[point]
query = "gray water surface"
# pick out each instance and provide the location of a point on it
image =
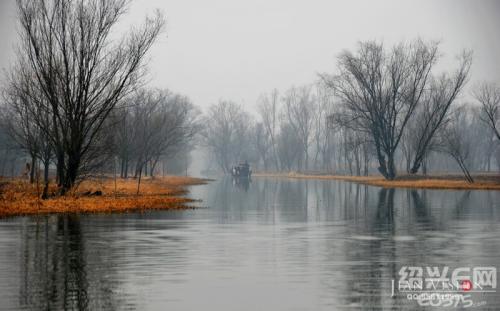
(274, 244)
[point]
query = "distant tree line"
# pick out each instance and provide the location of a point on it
(152, 127)
(75, 101)
(384, 109)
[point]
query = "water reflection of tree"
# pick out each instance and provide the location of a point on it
(420, 201)
(373, 255)
(292, 195)
(463, 205)
(379, 253)
(55, 272)
(392, 241)
(385, 209)
(419, 205)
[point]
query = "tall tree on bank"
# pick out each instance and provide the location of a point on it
(379, 90)
(436, 103)
(82, 75)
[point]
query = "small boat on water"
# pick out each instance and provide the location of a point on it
(241, 170)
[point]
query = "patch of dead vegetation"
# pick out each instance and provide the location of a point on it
(18, 197)
(444, 181)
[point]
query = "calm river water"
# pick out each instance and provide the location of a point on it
(274, 244)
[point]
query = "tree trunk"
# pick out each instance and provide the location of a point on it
(139, 180)
(45, 193)
(466, 172)
(416, 166)
(358, 162)
(71, 173)
(32, 169)
(391, 168)
(381, 161)
(306, 164)
(153, 167)
(60, 169)
(366, 160)
(126, 169)
(122, 168)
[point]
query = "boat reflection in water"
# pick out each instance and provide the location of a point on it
(242, 176)
(242, 182)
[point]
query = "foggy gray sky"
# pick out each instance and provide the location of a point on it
(238, 49)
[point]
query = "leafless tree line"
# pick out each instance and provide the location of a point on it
(152, 127)
(289, 133)
(394, 96)
(75, 99)
(387, 109)
(382, 91)
(71, 81)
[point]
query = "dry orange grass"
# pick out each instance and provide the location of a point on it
(482, 182)
(18, 197)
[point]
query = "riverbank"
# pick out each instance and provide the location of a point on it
(97, 195)
(457, 182)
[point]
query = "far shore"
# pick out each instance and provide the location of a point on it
(439, 181)
(97, 195)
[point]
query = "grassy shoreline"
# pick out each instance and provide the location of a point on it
(19, 198)
(452, 182)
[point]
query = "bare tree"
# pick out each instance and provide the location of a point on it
(262, 144)
(488, 95)
(288, 146)
(180, 126)
(456, 140)
(435, 106)
(379, 91)
(483, 142)
(123, 143)
(268, 108)
(82, 75)
(154, 124)
(27, 123)
(20, 125)
(299, 111)
(226, 133)
(321, 133)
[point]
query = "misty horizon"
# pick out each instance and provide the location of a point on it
(238, 50)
